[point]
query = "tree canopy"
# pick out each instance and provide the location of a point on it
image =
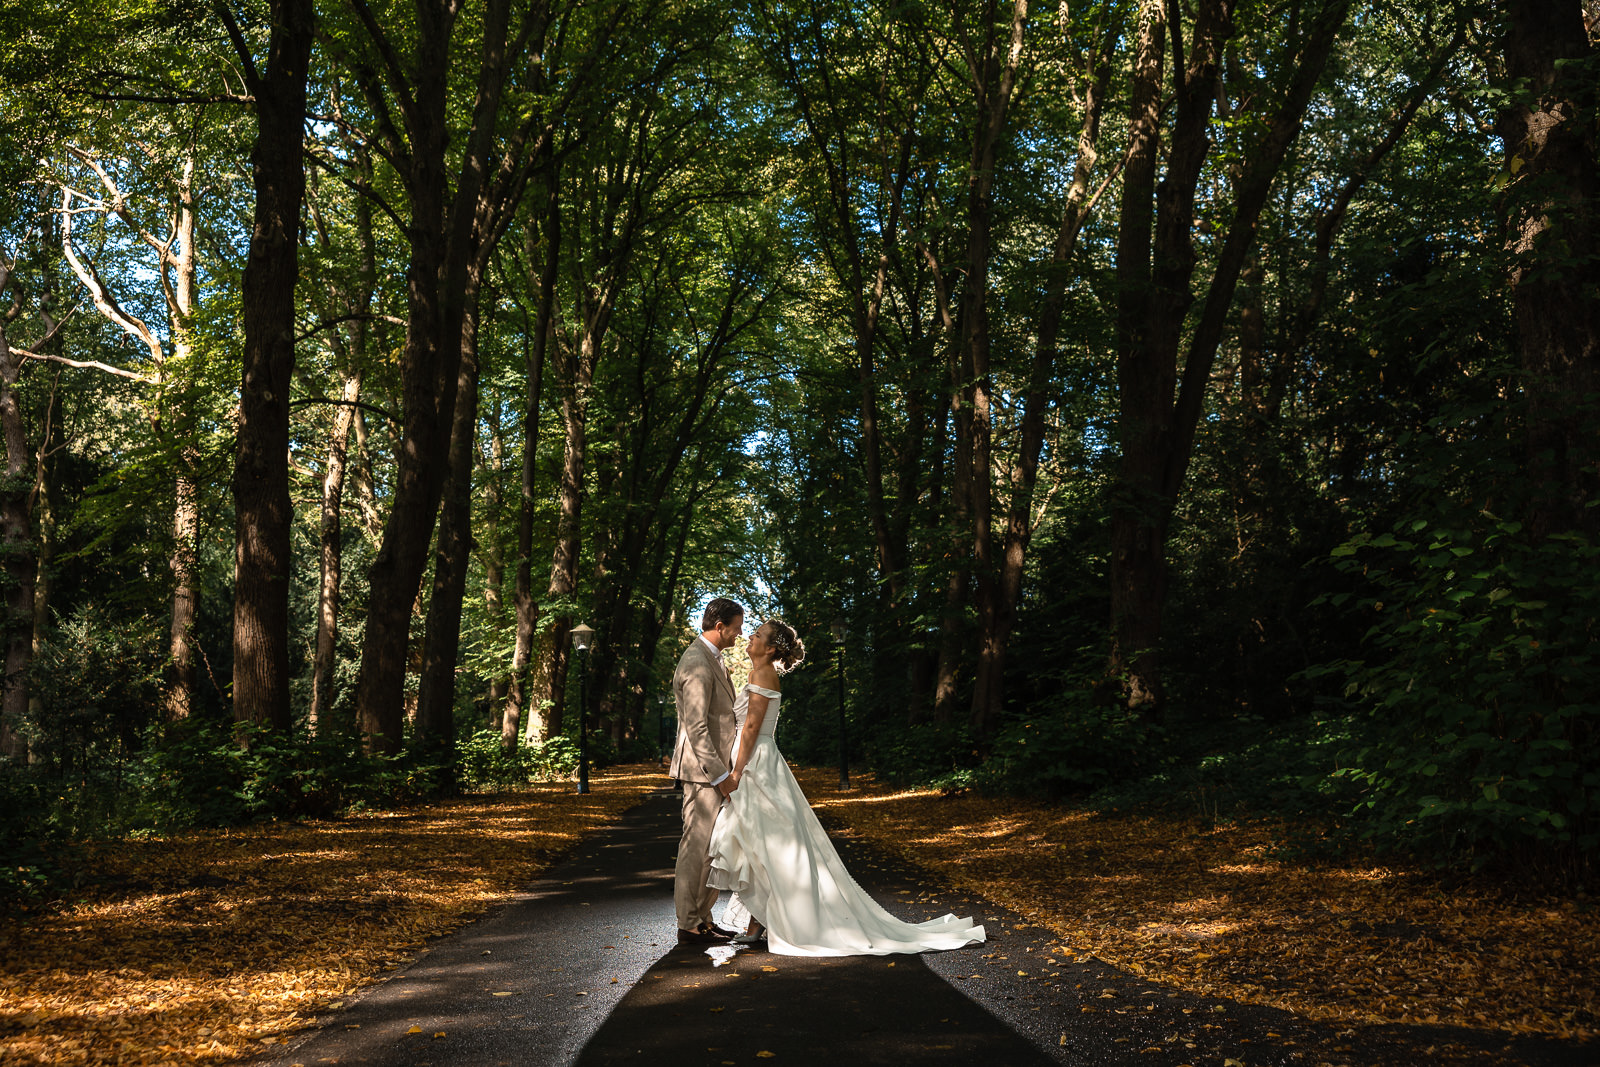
(1148, 393)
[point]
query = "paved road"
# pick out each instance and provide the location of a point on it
(583, 968)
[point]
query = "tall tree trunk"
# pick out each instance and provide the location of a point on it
(957, 533)
(575, 391)
(527, 609)
(44, 490)
(491, 550)
(440, 235)
(435, 725)
(1553, 166)
(988, 700)
(994, 74)
(350, 352)
(263, 513)
(183, 671)
(1154, 297)
(16, 541)
(331, 555)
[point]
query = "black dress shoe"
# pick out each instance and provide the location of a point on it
(704, 934)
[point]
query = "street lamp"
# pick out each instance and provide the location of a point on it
(661, 727)
(839, 632)
(582, 638)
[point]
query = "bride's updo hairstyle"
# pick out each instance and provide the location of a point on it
(787, 649)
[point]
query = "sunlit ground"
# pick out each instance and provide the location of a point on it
(1212, 911)
(211, 946)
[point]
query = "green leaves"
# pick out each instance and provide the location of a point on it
(1480, 685)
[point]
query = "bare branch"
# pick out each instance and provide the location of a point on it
(362, 316)
(86, 364)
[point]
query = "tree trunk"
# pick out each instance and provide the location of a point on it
(569, 525)
(435, 293)
(183, 672)
(320, 720)
(16, 541)
(527, 609)
(263, 514)
(1154, 297)
(491, 550)
(958, 544)
(435, 726)
(988, 700)
(1549, 132)
(994, 74)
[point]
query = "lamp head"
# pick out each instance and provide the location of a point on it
(838, 630)
(582, 637)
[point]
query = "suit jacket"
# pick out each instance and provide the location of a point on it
(703, 693)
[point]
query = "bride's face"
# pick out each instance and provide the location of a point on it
(758, 645)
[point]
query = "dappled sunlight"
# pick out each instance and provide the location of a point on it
(212, 946)
(1213, 910)
(1197, 931)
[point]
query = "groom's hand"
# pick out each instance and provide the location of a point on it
(728, 784)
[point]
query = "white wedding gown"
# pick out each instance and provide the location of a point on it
(768, 847)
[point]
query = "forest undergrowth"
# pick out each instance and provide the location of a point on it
(1222, 909)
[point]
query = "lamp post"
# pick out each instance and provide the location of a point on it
(839, 632)
(661, 727)
(582, 637)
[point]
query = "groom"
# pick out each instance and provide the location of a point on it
(701, 761)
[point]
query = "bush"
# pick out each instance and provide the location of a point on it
(201, 773)
(32, 845)
(483, 764)
(924, 753)
(1480, 689)
(1082, 747)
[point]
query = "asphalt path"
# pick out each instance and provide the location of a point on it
(584, 968)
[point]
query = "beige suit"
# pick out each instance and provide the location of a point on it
(704, 754)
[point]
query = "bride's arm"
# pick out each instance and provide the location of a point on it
(750, 731)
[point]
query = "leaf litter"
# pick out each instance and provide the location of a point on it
(210, 946)
(1214, 910)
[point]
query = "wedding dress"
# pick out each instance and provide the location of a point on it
(768, 847)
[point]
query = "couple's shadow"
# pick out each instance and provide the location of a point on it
(732, 1004)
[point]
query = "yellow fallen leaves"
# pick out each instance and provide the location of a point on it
(1215, 912)
(201, 946)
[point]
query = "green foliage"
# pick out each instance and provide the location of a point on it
(1480, 683)
(32, 845)
(201, 773)
(924, 752)
(1089, 745)
(483, 764)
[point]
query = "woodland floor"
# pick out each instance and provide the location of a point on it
(209, 946)
(1214, 910)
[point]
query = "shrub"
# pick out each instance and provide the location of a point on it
(1480, 686)
(483, 764)
(1075, 749)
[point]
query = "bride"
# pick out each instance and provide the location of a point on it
(768, 847)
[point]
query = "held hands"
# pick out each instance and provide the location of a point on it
(728, 784)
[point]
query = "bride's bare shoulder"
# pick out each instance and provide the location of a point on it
(765, 676)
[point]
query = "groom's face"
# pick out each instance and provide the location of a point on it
(728, 632)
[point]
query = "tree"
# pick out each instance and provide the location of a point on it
(262, 512)
(1552, 180)
(1155, 270)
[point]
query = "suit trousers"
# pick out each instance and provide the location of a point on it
(690, 893)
